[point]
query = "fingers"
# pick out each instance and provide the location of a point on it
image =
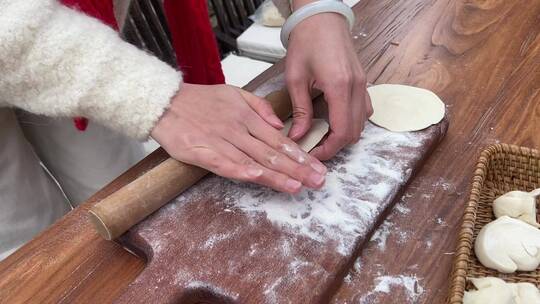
(263, 108)
(302, 105)
(276, 161)
(361, 110)
(228, 161)
(340, 114)
(369, 105)
(284, 145)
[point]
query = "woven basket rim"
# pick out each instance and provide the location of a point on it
(464, 247)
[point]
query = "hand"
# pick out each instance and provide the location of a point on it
(235, 134)
(321, 55)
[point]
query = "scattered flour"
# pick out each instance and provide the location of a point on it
(359, 179)
(360, 183)
(215, 238)
(442, 183)
(440, 221)
(388, 284)
(357, 267)
(403, 237)
(427, 196)
(381, 234)
(402, 208)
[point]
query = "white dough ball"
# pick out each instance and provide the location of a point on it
(496, 291)
(507, 245)
(271, 15)
(489, 290)
(527, 293)
(517, 204)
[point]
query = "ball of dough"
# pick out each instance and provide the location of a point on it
(507, 245)
(271, 15)
(517, 204)
(496, 291)
(489, 290)
(527, 293)
(402, 108)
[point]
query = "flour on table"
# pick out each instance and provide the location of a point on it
(401, 208)
(442, 183)
(345, 205)
(381, 235)
(390, 284)
(359, 179)
(357, 267)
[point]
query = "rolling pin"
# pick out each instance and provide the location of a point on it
(115, 214)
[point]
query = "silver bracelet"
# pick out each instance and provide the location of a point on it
(314, 8)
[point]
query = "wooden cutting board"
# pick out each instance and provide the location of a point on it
(228, 242)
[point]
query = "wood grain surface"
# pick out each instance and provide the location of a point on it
(228, 242)
(481, 56)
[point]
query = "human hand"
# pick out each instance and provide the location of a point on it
(321, 55)
(234, 133)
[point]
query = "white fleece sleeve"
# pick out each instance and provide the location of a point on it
(59, 62)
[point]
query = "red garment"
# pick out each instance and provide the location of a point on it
(192, 38)
(99, 9)
(194, 41)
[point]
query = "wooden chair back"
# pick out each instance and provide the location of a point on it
(232, 20)
(146, 27)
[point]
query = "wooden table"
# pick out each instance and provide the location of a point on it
(481, 56)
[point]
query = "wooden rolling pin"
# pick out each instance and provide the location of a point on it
(118, 212)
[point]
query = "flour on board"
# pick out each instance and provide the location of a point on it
(359, 180)
(361, 183)
(348, 202)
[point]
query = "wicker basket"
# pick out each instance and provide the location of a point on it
(501, 168)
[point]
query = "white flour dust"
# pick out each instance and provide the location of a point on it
(401, 208)
(391, 284)
(357, 267)
(441, 183)
(349, 200)
(358, 187)
(381, 235)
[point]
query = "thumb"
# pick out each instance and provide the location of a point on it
(302, 108)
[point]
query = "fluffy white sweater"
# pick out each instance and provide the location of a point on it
(58, 62)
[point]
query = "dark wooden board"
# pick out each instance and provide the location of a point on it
(223, 241)
(481, 57)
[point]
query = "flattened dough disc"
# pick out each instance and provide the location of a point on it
(319, 128)
(402, 108)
